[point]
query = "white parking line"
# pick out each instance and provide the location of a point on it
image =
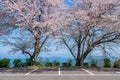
(87, 71)
(30, 72)
(59, 72)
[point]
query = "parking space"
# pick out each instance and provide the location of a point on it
(58, 71)
(45, 71)
(104, 71)
(48, 71)
(58, 74)
(73, 71)
(15, 70)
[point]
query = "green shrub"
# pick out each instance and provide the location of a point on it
(64, 64)
(56, 63)
(28, 62)
(94, 64)
(107, 63)
(117, 64)
(69, 62)
(86, 64)
(40, 62)
(17, 63)
(48, 64)
(5, 63)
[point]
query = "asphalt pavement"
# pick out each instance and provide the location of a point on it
(58, 74)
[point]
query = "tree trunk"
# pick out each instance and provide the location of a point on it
(80, 59)
(36, 50)
(79, 62)
(33, 61)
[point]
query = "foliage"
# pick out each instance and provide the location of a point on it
(107, 63)
(93, 63)
(5, 63)
(86, 64)
(47, 62)
(40, 62)
(56, 63)
(28, 62)
(69, 62)
(17, 63)
(117, 64)
(64, 64)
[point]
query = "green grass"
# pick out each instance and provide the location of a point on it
(54, 67)
(41, 67)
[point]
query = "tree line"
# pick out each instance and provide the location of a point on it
(18, 63)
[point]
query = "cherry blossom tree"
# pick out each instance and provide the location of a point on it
(95, 24)
(40, 17)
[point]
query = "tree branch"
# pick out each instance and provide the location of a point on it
(44, 42)
(69, 48)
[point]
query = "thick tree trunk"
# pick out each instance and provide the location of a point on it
(36, 50)
(79, 59)
(33, 61)
(79, 62)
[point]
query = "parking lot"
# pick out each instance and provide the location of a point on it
(59, 74)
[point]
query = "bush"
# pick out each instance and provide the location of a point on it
(69, 62)
(28, 62)
(107, 63)
(117, 64)
(64, 64)
(17, 63)
(56, 63)
(5, 63)
(94, 64)
(40, 62)
(86, 64)
(47, 63)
